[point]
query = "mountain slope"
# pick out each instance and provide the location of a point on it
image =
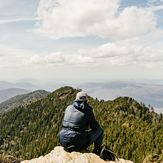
(22, 100)
(131, 130)
(11, 92)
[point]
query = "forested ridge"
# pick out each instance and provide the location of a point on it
(22, 100)
(132, 130)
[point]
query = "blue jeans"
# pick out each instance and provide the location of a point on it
(96, 137)
(78, 142)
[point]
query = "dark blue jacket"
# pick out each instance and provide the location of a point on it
(77, 119)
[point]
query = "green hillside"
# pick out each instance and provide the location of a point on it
(131, 130)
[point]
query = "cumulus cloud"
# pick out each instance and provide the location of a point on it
(53, 58)
(60, 58)
(132, 51)
(133, 30)
(125, 52)
(70, 18)
(134, 33)
(81, 60)
(12, 57)
(36, 59)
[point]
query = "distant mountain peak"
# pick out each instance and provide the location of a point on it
(5, 94)
(22, 100)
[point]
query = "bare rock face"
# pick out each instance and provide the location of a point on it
(58, 155)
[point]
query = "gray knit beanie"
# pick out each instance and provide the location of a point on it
(81, 96)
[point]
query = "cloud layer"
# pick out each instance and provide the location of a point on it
(134, 33)
(71, 18)
(135, 37)
(107, 36)
(132, 51)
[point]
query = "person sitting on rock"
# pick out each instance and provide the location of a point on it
(78, 118)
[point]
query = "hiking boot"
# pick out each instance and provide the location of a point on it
(96, 151)
(107, 154)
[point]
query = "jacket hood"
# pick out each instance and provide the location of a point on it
(79, 104)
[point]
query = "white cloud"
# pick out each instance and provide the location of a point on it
(145, 50)
(70, 18)
(60, 58)
(136, 40)
(53, 58)
(81, 60)
(14, 58)
(132, 51)
(5, 21)
(127, 52)
(36, 59)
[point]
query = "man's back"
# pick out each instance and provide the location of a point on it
(78, 118)
(75, 119)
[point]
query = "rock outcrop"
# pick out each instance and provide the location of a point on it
(58, 155)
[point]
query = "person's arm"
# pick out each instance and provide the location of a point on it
(94, 125)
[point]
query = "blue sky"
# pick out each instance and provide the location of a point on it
(77, 40)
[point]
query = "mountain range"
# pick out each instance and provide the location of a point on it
(22, 100)
(148, 93)
(132, 130)
(22, 85)
(11, 92)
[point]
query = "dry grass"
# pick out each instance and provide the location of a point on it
(8, 159)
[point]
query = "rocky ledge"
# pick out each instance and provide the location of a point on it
(58, 155)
